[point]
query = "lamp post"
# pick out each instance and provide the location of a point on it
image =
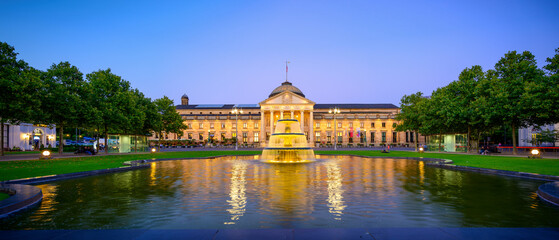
(335, 111)
(236, 111)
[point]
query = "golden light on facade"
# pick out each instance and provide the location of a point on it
(25, 136)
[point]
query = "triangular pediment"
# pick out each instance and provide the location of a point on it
(287, 98)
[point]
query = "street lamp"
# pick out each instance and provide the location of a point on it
(335, 111)
(236, 111)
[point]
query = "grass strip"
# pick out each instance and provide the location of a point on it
(4, 196)
(33, 168)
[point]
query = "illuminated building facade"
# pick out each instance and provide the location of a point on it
(355, 125)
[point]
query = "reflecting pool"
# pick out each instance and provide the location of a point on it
(242, 192)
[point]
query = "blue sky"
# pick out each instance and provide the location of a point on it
(234, 51)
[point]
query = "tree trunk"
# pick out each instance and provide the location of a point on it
(468, 148)
(514, 150)
(1, 138)
(97, 141)
(106, 140)
(136, 143)
(440, 140)
(416, 140)
(61, 140)
(159, 142)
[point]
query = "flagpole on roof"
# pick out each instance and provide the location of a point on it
(286, 62)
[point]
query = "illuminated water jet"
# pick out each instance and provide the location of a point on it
(288, 144)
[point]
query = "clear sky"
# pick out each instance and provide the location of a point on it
(234, 51)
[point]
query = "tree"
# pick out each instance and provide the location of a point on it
(410, 114)
(111, 98)
(514, 73)
(171, 121)
(19, 96)
(63, 98)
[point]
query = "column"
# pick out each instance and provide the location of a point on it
(271, 122)
(262, 136)
(303, 121)
(311, 128)
(281, 114)
(292, 116)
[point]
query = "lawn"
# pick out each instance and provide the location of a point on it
(4, 196)
(32, 168)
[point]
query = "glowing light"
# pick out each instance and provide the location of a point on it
(153, 150)
(535, 152)
(46, 153)
(25, 136)
(421, 150)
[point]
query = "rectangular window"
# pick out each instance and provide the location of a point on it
(317, 136)
(317, 125)
(245, 137)
(372, 125)
(256, 139)
(188, 126)
(329, 125)
(234, 125)
(339, 125)
(222, 136)
(211, 125)
(340, 137)
(350, 125)
(383, 137)
(362, 125)
(372, 137)
(383, 125)
(234, 135)
(267, 136)
(201, 126)
(245, 125)
(255, 125)
(394, 137)
(222, 125)
(190, 136)
(407, 137)
(200, 136)
(411, 136)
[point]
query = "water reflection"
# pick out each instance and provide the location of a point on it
(335, 191)
(240, 192)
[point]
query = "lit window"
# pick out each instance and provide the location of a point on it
(350, 125)
(256, 125)
(222, 125)
(339, 125)
(328, 124)
(362, 124)
(256, 137)
(245, 125)
(211, 125)
(190, 136)
(245, 137)
(234, 125)
(317, 136)
(201, 126)
(200, 136)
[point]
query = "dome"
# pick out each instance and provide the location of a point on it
(184, 96)
(286, 86)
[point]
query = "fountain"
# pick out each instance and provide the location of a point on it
(288, 144)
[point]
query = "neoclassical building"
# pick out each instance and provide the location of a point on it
(355, 125)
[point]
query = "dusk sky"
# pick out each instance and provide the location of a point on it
(234, 52)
